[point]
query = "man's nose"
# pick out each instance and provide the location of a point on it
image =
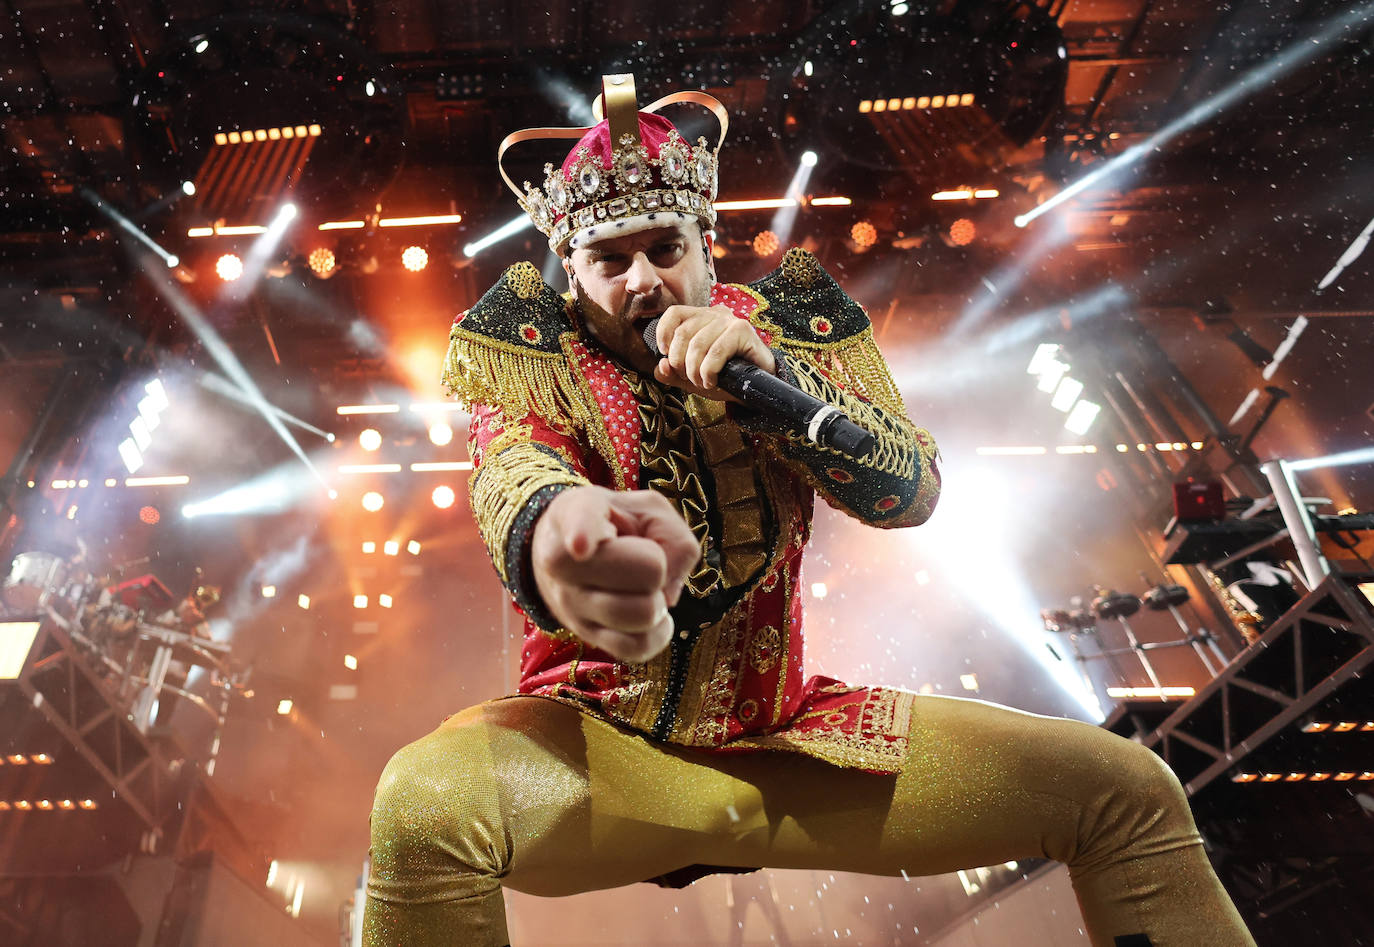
(642, 278)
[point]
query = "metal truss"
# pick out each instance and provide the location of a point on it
(77, 703)
(1317, 647)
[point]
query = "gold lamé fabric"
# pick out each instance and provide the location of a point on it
(532, 794)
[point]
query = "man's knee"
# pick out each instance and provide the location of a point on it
(1141, 805)
(438, 809)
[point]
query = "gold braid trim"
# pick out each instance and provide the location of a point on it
(897, 447)
(502, 487)
(855, 364)
(516, 379)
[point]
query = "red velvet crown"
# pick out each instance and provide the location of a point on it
(629, 172)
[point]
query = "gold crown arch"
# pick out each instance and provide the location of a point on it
(681, 177)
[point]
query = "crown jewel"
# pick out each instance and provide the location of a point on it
(627, 172)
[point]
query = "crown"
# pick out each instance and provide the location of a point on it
(629, 172)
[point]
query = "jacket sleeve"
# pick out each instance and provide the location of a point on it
(826, 348)
(507, 362)
(518, 468)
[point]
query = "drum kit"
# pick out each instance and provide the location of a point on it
(1080, 622)
(136, 632)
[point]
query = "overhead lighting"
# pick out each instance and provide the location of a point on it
(415, 258)
(413, 547)
(864, 235)
(819, 590)
(368, 408)
(269, 591)
(173, 481)
(424, 221)
(1126, 692)
(229, 267)
(831, 202)
(443, 496)
(360, 601)
(303, 601)
(508, 229)
(342, 225)
(440, 434)
(1050, 375)
(384, 600)
(322, 262)
(350, 662)
(391, 547)
(284, 706)
(1046, 354)
(373, 501)
(369, 547)
(129, 453)
(1082, 416)
(961, 194)
(442, 465)
(370, 439)
(969, 681)
(1066, 393)
(985, 193)
(765, 203)
(962, 232)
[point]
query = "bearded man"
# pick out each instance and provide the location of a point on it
(651, 529)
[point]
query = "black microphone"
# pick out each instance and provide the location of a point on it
(822, 423)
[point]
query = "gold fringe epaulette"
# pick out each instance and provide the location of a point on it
(507, 351)
(810, 317)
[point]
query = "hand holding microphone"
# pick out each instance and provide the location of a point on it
(705, 349)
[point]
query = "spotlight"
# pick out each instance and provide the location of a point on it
(413, 547)
(360, 601)
(350, 662)
(373, 501)
(370, 439)
(284, 706)
(1066, 393)
(303, 601)
(809, 158)
(229, 267)
(384, 600)
(188, 188)
(440, 433)
(864, 235)
(766, 243)
(962, 232)
(322, 262)
(1082, 417)
(414, 259)
(369, 547)
(269, 591)
(443, 496)
(391, 547)
(149, 515)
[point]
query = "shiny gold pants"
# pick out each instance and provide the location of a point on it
(537, 796)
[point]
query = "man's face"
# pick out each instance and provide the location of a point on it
(623, 282)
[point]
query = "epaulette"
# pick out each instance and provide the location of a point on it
(507, 350)
(806, 307)
(808, 316)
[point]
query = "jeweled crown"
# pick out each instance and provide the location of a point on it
(629, 172)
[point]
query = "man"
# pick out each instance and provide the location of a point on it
(652, 531)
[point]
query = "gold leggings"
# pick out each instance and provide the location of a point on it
(540, 797)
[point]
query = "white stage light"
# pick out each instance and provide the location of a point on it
(1050, 375)
(1046, 354)
(1066, 393)
(1082, 416)
(130, 454)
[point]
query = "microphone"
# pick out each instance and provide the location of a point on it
(769, 395)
